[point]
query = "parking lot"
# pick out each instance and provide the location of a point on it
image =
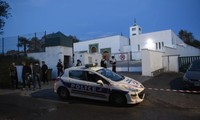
(165, 98)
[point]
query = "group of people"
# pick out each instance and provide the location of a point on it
(32, 73)
(103, 63)
(112, 61)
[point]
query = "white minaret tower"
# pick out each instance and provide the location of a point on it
(135, 29)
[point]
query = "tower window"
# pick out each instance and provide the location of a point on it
(159, 45)
(133, 29)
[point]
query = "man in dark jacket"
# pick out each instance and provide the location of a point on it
(36, 74)
(25, 74)
(44, 73)
(59, 67)
(104, 62)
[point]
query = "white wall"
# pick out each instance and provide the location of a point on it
(170, 63)
(87, 58)
(41, 56)
(182, 50)
(149, 40)
(52, 55)
(116, 43)
(151, 61)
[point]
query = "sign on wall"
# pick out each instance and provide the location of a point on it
(94, 48)
(121, 56)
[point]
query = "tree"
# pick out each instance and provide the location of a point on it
(4, 14)
(35, 45)
(25, 43)
(188, 38)
(73, 38)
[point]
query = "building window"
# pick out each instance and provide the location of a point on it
(138, 47)
(77, 74)
(156, 46)
(159, 45)
(93, 48)
(133, 29)
(162, 44)
(133, 34)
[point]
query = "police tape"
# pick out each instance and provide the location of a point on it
(173, 90)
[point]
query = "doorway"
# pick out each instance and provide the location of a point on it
(66, 61)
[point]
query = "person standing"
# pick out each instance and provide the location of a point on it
(59, 67)
(104, 62)
(44, 73)
(25, 74)
(78, 63)
(13, 75)
(36, 74)
(113, 62)
(29, 76)
(31, 80)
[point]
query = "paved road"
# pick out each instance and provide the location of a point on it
(158, 104)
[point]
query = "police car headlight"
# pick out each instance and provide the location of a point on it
(134, 90)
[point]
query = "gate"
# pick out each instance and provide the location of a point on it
(124, 63)
(184, 62)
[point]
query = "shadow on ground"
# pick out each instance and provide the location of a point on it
(48, 94)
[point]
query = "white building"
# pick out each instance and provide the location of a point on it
(158, 41)
(105, 46)
(110, 45)
(57, 47)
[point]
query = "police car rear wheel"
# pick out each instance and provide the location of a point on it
(118, 99)
(63, 93)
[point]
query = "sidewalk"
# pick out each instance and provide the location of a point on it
(26, 92)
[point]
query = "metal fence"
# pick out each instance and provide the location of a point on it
(126, 63)
(15, 45)
(184, 62)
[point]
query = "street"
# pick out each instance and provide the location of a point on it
(163, 100)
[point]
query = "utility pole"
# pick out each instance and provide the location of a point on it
(2, 46)
(18, 45)
(35, 41)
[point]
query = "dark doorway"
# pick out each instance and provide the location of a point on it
(66, 62)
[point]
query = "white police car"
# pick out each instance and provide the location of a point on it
(100, 84)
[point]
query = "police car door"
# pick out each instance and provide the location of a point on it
(78, 83)
(97, 90)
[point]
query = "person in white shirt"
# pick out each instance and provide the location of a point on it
(113, 62)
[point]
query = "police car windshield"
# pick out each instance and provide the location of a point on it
(110, 74)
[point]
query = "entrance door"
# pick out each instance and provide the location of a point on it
(66, 61)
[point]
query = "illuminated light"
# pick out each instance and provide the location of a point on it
(150, 44)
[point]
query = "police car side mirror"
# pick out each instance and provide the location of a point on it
(100, 82)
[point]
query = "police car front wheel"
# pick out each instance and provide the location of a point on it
(118, 99)
(63, 93)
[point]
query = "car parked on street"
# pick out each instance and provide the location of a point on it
(100, 84)
(191, 78)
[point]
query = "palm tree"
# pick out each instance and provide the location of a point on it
(22, 41)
